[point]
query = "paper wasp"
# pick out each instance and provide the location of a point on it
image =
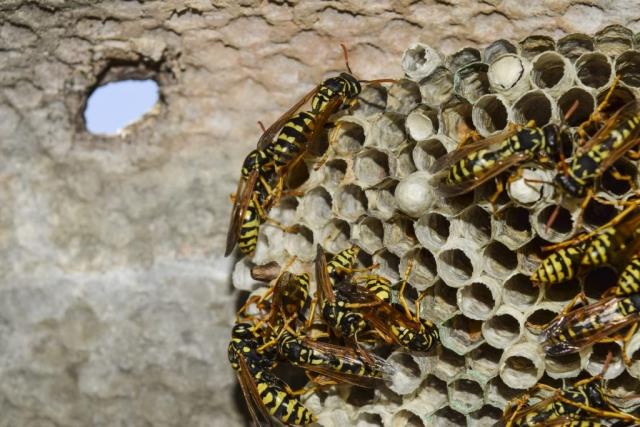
(475, 163)
(273, 158)
(266, 395)
(586, 403)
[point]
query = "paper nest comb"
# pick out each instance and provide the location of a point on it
(374, 191)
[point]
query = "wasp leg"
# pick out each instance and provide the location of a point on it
(325, 156)
(285, 228)
(312, 312)
(633, 155)
(596, 116)
(493, 199)
(401, 298)
(349, 270)
(625, 342)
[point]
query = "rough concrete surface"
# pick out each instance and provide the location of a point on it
(115, 301)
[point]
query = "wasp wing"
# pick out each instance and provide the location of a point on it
(258, 411)
(584, 326)
(462, 152)
(451, 190)
(323, 282)
(626, 112)
(268, 135)
(243, 196)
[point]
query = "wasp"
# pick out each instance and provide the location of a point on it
(471, 165)
(266, 395)
(612, 243)
(585, 403)
(293, 132)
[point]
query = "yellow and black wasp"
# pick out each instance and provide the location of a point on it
(279, 148)
(266, 395)
(475, 163)
(586, 403)
(613, 243)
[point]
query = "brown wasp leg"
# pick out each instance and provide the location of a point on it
(493, 199)
(312, 312)
(401, 298)
(325, 156)
(285, 228)
(596, 116)
(344, 270)
(625, 342)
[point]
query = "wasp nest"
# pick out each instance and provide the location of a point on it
(374, 191)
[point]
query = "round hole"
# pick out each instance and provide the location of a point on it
(615, 186)
(350, 202)
(334, 172)
(519, 371)
(517, 218)
(370, 237)
(575, 45)
(447, 417)
(593, 70)
(427, 152)
(501, 330)
(548, 70)
(628, 68)
(476, 224)
(500, 261)
(406, 418)
(347, 138)
(371, 167)
(485, 360)
(456, 266)
(335, 235)
(534, 106)
(597, 214)
(489, 114)
(561, 225)
(566, 366)
(466, 394)
(424, 269)
(599, 280)
(620, 97)
(562, 292)
(540, 317)
(476, 301)
(316, 206)
(519, 292)
(582, 111)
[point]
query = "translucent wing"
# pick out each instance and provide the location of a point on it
(243, 195)
(625, 113)
(258, 411)
(588, 325)
(323, 282)
(273, 130)
(451, 190)
(460, 153)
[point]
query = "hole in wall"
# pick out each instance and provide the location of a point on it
(116, 105)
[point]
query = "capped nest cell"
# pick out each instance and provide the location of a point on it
(375, 190)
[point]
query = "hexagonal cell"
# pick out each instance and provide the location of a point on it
(432, 230)
(623, 391)
(575, 45)
(372, 100)
(452, 206)
(507, 76)
(599, 280)
(425, 153)
(613, 39)
(403, 96)
(371, 167)
(432, 395)
(448, 364)
(538, 317)
(440, 302)
(535, 45)
(598, 357)
(498, 393)
(568, 366)
(401, 163)
(350, 202)
(455, 115)
(479, 300)
(420, 60)
(487, 416)
(514, 229)
(597, 213)
(405, 417)
(315, 207)
(534, 105)
(489, 114)
(471, 81)
(628, 68)
(424, 272)
(499, 261)
(422, 123)
(334, 236)
(465, 395)
(367, 234)
(485, 361)
(561, 227)
(399, 236)
(586, 105)
(447, 417)
(301, 244)
(386, 132)
(593, 70)
(367, 419)
(437, 88)
(474, 223)
(522, 365)
(389, 264)
(551, 71)
(360, 396)
(382, 201)
(530, 255)
(562, 293)
(504, 327)
(454, 265)
(497, 49)
(347, 137)
(407, 375)
(519, 292)
(461, 334)
(334, 171)
(465, 56)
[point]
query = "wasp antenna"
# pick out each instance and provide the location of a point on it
(571, 110)
(346, 57)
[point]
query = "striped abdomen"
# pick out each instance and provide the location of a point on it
(379, 286)
(629, 280)
(342, 263)
(297, 353)
(280, 404)
(558, 267)
(250, 227)
(293, 139)
(474, 165)
(598, 250)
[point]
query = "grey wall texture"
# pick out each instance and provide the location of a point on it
(115, 300)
